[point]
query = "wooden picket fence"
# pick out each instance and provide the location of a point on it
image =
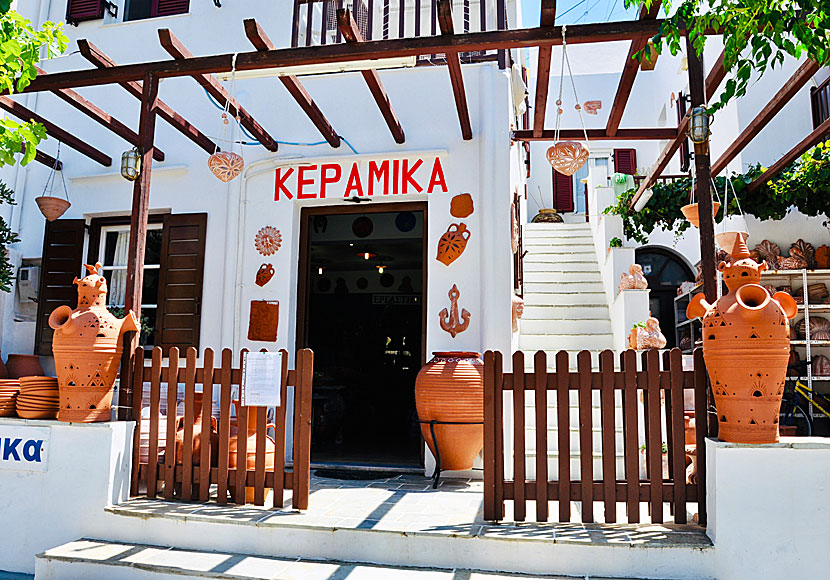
(640, 392)
(159, 473)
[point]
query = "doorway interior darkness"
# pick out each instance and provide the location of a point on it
(360, 309)
(665, 272)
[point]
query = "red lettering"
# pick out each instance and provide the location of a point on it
(354, 183)
(395, 172)
(437, 177)
(407, 176)
(302, 182)
(325, 180)
(375, 173)
(280, 184)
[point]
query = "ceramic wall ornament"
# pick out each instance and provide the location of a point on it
(819, 328)
(804, 251)
(821, 366)
(634, 279)
(567, 157)
(405, 221)
(461, 206)
(592, 107)
(449, 319)
(514, 230)
(387, 280)
(268, 240)
(264, 320)
(226, 165)
(362, 227)
(450, 391)
(87, 347)
(770, 253)
(452, 243)
(823, 257)
(517, 311)
(746, 346)
(264, 274)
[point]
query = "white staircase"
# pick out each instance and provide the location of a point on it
(565, 309)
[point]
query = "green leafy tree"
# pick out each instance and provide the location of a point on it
(756, 34)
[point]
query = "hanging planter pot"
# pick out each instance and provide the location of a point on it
(52, 207)
(691, 212)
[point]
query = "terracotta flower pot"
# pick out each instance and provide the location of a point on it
(52, 207)
(450, 388)
(547, 216)
(452, 244)
(691, 213)
(87, 347)
(23, 365)
(746, 346)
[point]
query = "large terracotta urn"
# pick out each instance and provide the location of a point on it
(746, 346)
(450, 391)
(250, 448)
(87, 347)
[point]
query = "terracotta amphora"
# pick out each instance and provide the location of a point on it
(198, 427)
(250, 447)
(452, 243)
(746, 346)
(450, 391)
(87, 347)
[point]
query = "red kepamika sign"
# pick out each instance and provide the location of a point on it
(377, 177)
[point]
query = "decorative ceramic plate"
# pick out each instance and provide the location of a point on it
(268, 240)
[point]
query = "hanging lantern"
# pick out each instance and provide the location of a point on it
(130, 164)
(699, 125)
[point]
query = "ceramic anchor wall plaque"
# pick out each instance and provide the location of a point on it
(449, 319)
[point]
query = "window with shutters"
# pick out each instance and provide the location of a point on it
(625, 161)
(81, 10)
(140, 9)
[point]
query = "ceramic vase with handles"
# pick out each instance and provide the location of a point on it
(452, 243)
(746, 346)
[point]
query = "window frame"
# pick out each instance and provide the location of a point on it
(154, 8)
(102, 252)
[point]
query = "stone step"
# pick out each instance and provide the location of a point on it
(549, 277)
(542, 227)
(576, 241)
(567, 298)
(537, 266)
(566, 286)
(534, 342)
(108, 560)
(561, 257)
(565, 326)
(547, 311)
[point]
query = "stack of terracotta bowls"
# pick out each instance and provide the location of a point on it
(8, 396)
(38, 398)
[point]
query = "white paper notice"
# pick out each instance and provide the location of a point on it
(261, 376)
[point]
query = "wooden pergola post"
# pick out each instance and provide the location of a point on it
(703, 176)
(138, 235)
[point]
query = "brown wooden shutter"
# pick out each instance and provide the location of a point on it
(563, 192)
(625, 161)
(685, 150)
(62, 262)
(80, 10)
(170, 7)
(180, 280)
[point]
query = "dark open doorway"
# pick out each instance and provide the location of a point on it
(665, 272)
(360, 309)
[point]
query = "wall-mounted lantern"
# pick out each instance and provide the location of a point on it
(130, 164)
(699, 123)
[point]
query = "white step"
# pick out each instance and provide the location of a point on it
(106, 560)
(570, 342)
(558, 277)
(570, 299)
(541, 227)
(584, 252)
(566, 326)
(578, 241)
(564, 311)
(560, 257)
(536, 266)
(564, 286)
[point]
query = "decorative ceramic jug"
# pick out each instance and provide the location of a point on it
(746, 346)
(87, 347)
(450, 391)
(452, 243)
(264, 274)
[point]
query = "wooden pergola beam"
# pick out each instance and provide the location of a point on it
(660, 133)
(65, 137)
(351, 34)
(629, 73)
(348, 52)
(801, 76)
(454, 65)
(101, 117)
(215, 89)
(548, 18)
(260, 40)
(45, 159)
(810, 140)
(97, 57)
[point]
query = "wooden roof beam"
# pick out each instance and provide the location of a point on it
(353, 37)
(598, 134)
(215, 89)
(801, 76)
(45, 159)
(97, 57)
(810, 140)
(260, 40)
(629, 73)
(101, 117)
(24, 114)
(454, 66)
(548, 18)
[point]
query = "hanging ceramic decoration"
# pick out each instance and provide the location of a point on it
(264, 320)
(264, 274)
(449, 319)
(452, 243)
(567, 157)
(50, 206)
(268, 240)
(362, 227)
(461, 206)
(227, 165)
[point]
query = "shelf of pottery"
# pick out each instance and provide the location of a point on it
(687, 331)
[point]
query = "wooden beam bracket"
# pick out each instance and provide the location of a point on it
(454, 64)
